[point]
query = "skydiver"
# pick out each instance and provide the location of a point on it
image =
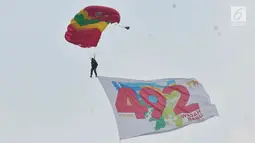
(94, 65)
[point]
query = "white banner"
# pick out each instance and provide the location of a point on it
(155, 106)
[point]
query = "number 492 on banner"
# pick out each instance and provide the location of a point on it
(127, 102)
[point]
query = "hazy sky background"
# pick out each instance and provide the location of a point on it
(46, 95)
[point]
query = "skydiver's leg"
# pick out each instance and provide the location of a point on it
(95, 71)
(91, 72)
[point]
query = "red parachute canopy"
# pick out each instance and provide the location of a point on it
(86, 27)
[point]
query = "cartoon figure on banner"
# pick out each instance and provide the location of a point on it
(163, 104)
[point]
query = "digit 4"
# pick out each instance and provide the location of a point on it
(127, 102)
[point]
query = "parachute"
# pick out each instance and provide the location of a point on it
(86, 27)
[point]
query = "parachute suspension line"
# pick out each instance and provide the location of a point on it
(93, 56)
(89, 54)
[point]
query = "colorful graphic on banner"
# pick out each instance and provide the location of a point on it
(163, 104)
(154, 106)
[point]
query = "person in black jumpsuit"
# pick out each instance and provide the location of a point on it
(94, 65)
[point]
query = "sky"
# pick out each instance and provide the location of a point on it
(46, 94)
